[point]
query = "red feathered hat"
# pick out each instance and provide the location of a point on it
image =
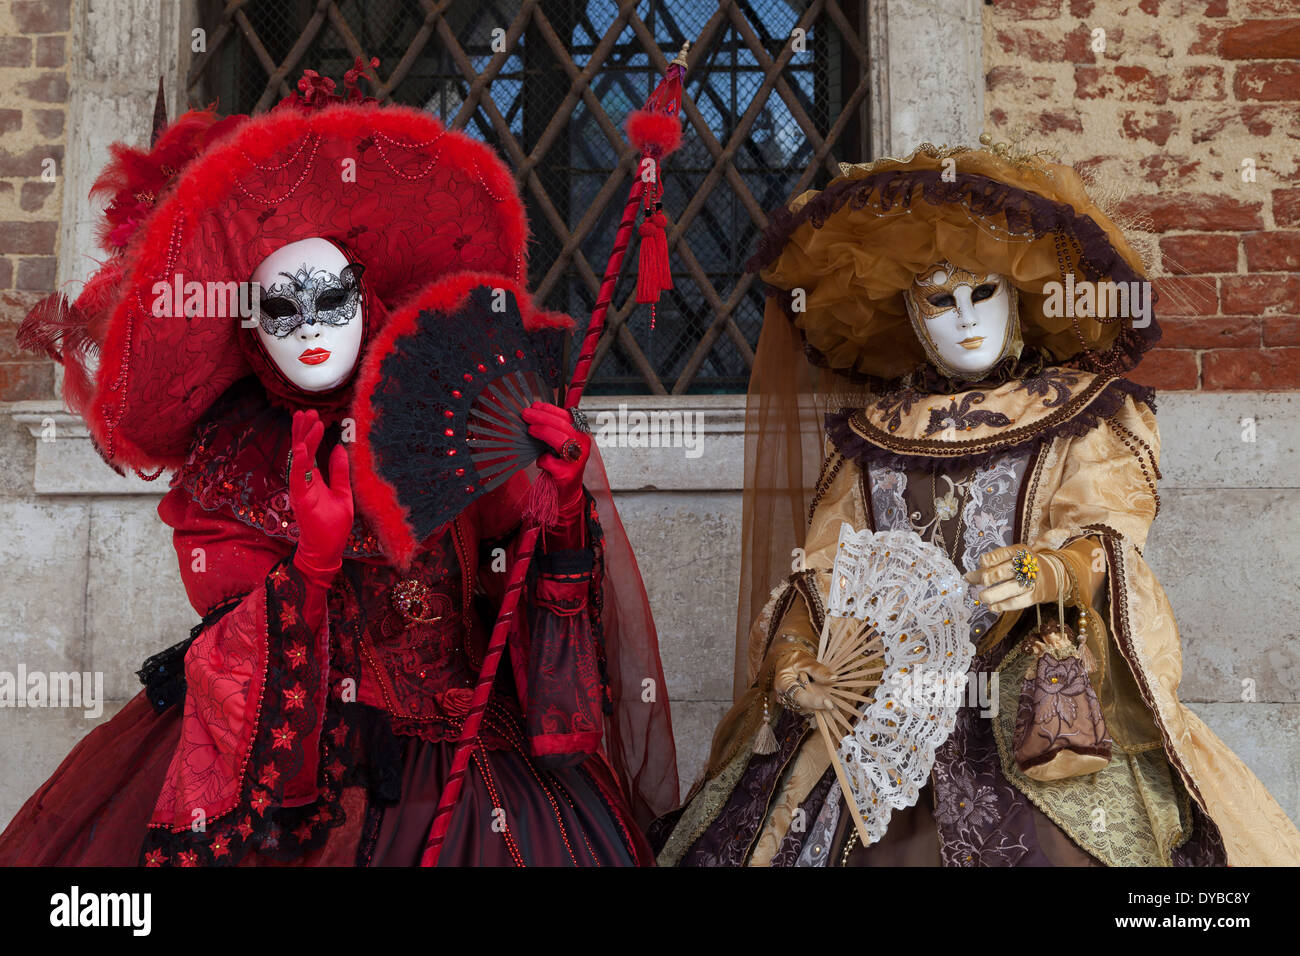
(410, 200)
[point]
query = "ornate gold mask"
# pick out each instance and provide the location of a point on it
(967, 322)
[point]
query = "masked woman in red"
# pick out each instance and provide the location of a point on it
(311, 717)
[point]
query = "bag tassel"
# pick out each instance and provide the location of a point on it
(765, 743)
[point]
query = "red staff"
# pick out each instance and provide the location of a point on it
(655, 131)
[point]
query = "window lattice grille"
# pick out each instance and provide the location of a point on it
(764, 121)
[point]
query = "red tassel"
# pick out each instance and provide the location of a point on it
(653, 276)
(542, 506)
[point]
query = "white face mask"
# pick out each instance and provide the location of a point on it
(311, 313)
(967, 322)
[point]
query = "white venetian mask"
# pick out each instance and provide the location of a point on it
(311, 322)
(966, 321)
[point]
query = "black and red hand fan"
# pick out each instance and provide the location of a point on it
(439, 410)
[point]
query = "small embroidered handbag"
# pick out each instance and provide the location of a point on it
(1060, 731)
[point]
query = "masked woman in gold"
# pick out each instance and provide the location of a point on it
(945, 336)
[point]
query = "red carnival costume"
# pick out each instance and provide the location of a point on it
(312, 715)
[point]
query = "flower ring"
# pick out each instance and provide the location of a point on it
(1025, 566)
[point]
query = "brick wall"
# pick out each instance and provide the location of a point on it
(34, 46)
(1184, 91)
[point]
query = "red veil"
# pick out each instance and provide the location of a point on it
(410, 200)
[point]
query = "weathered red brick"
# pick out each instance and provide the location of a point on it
(51, 51)
(1192, 255)
(9, 350)
(42, 16)
(999, 76)
(1155, 126)
(1253, 119)
(28, 237)
(6, 280)
(1281, 330)
(34, 194)
(49, 123)
(1227, 369)
(1118, 43)
(1052, 121)
(1260, 294)
(25, 381)
(1077, 45)
(1262, 40)
(1273, 251)
(15, 51)
(1167, 370)
(1213, 332)
(1202, 212)
(1172, 9)
(1027, 9)
(1249, 9)
(46, 88)
(1157, 167)
(1209, 37)
(35, 274)
(1081, 8)
(14, 306)
(11, 120)
(1027, 44)
(1014, 77)
(1187, 295)
(1267, 81)
(1197, 83)
(1134, 84)
(31, 163)
(1286, 207)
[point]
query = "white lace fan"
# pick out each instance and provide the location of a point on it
(897, 639)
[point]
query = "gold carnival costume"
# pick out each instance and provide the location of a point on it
(1049, 455)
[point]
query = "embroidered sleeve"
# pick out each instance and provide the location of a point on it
(257, 766)
(801, 598)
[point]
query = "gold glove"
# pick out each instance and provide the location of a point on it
(1016, 577)
(800, 682)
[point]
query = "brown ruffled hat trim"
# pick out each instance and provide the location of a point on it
(854, 247)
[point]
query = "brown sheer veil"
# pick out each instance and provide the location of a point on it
(785, 444)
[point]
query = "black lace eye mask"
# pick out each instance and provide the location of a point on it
(311, 296)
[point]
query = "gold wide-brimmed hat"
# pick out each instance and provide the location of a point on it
(841, 258)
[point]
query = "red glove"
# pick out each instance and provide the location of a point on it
(554, 425)
(324, 512)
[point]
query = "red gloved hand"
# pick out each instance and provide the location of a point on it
(554, 425)
(323, 512)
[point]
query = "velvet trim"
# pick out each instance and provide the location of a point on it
(854, 438)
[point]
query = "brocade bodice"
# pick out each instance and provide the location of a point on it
(963, 510)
